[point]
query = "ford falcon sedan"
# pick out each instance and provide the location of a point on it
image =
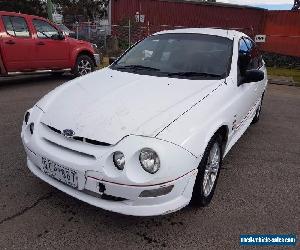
(146, 136)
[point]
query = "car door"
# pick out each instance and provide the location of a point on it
(246, 93)
(16, 44)
(50, 51)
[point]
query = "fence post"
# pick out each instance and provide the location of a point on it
(89, 30)
(129, 33)
(105, 37)
(77, 30)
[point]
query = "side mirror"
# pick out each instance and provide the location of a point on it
(252, 75)
(111, 60)
(244, 60)
(59, 36)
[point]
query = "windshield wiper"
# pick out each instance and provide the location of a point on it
(134, 67)
(192, 73)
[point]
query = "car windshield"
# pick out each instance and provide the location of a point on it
(179, 55)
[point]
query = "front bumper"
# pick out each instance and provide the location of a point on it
(132, 204)
(97, 59)
(95, 169)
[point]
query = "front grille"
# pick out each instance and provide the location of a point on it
(70, 150)
(79, 138)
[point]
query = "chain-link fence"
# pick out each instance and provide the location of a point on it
(112, 39)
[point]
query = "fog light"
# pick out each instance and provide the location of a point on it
(157, 192)
(31, 127)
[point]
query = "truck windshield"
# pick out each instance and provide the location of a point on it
(179, 55)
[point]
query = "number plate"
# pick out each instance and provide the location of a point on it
(60, 173)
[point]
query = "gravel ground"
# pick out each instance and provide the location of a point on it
(258, 190)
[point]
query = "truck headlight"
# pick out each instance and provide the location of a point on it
(149, 160)
(119, 160)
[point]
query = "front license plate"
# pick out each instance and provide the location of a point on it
(60, 173)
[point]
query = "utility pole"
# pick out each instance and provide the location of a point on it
(50, 10)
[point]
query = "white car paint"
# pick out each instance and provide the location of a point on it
(130, 112)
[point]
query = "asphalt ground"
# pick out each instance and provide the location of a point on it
(258, 190)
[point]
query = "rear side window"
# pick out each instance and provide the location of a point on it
(16, 26)
(44, 29)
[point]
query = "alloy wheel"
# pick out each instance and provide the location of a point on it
(84, 67)
(211, 169)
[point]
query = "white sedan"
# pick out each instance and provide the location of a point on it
(146, 135)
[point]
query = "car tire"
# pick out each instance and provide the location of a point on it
(208, 173)
(84, 65)
(257, 112)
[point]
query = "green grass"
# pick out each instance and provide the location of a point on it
(295, 73)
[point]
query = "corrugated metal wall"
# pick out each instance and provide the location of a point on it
(281, 27)
(283, 32)
(188, 14)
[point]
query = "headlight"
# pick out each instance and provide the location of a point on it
(119, 160)
(31, 127)
(26, 117)
(149, 160)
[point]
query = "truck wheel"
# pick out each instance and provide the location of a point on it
(84, 65)
(208, 172)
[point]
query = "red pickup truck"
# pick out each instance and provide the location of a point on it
(30, 44)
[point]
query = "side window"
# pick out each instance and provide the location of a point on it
(16, 26)
(44, 29)
(244, 59)
(243, 47)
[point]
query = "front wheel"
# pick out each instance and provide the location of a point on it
(84, 65)
(208, 172)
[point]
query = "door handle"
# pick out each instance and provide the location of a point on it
(40, 43)
(11, 42)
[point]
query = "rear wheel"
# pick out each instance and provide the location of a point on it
(208, 172)
(84, 65)
(257, 113)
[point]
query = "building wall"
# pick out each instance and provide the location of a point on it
(283, 33)
(188, 14)
(281, 27)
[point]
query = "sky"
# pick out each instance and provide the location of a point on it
(268, 4)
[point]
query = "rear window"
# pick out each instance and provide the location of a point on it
(16, 26)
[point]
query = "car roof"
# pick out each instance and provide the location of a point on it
(231, 34)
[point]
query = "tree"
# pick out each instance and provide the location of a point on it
(90, 9)
(33, 7)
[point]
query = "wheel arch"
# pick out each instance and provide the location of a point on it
(223, 130)
(86, 53)
(78, 52)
